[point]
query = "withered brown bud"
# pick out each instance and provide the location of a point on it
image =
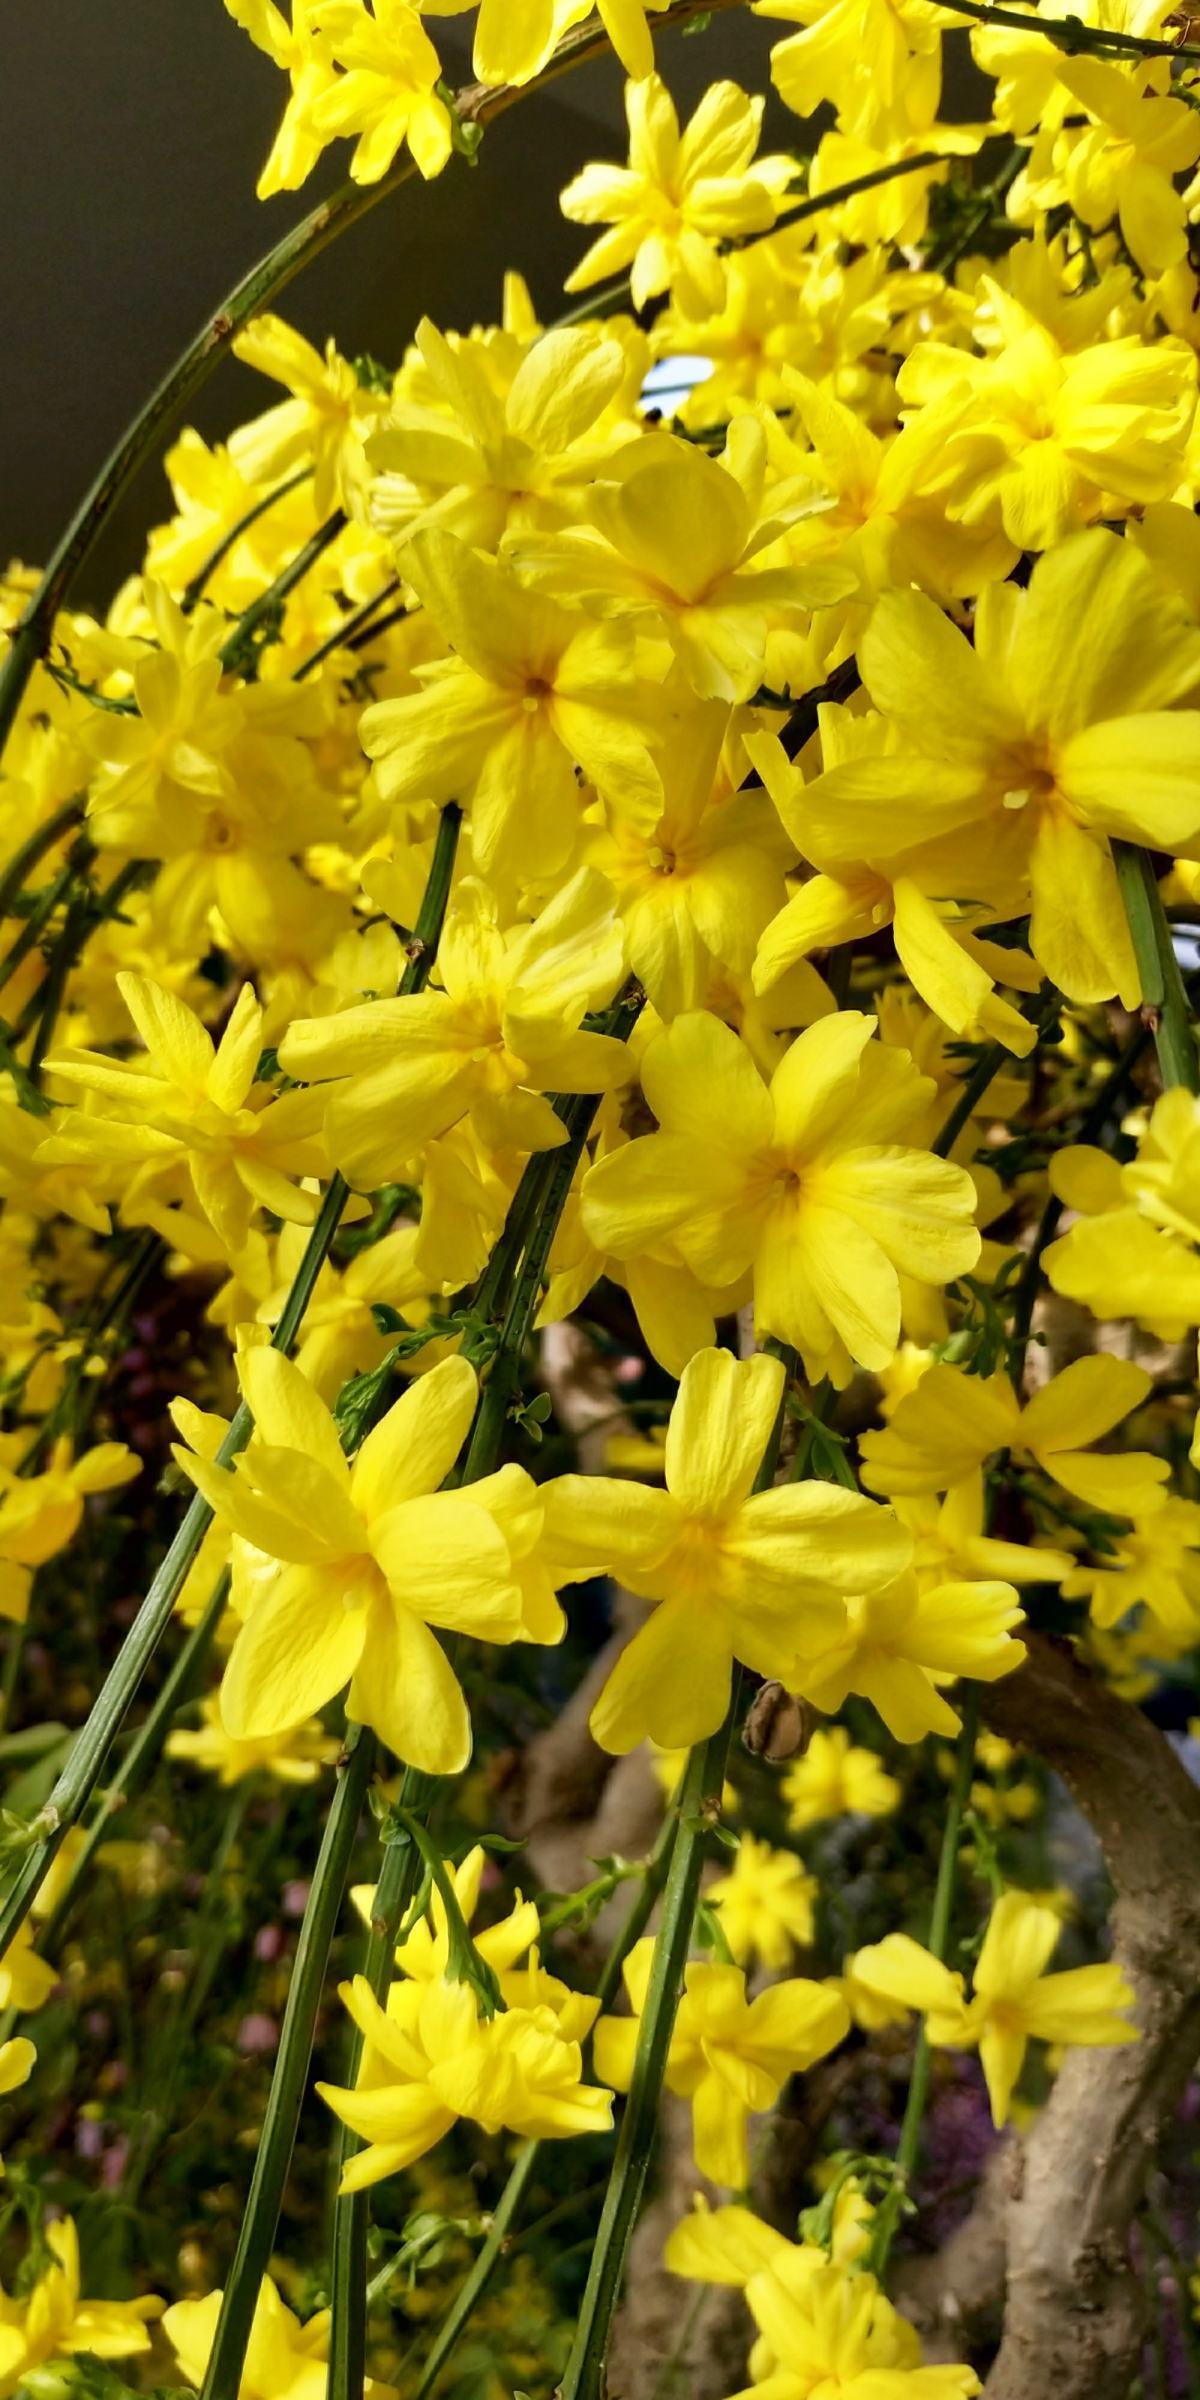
(777, 1724)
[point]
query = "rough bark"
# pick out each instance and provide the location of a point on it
(1074, 2313)
(955, 2296)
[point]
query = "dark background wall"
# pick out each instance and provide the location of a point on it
(131, 136)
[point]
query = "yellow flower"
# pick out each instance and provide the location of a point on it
(679, 195)
(533, 691)
(306, 61)
(950, 1541)
(766, 1904)
(1124, 164)
(902, 1645)
(322, 424)
(1048, 437)
(41, 1514)
(939, 939)
(677, 540)
(1014, 2001)
(1153, 1566)
(729, 2244)
(945, 1428)
(1132, 1250)
(430, 2058)
(484, 460)
(807, 1181)
(864, 55)
(54, 2321)
(728, 2055)
(1026, 735)
(284, 2360)
(501, 1033)
(830, 2331)
(26, 1182)
(339, 1336)
(388, 93)
(193, 1115)
(18, 2058)
(293, 1757)
(513, 38)
(341, 1571)
(836, 1778)
(736, 1575)
(698, 880)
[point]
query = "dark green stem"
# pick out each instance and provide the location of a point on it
(699, 1810)
(346, 631)
(887, 2215)
(195, 589)
(237, 652)
(273, 2156)
(348, 2277)
(1163, 994)
(34, 847)
(1069, 34)
(475, 2283)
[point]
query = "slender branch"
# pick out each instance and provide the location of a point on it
(237, 652)
(34, 847)
(475, 2282)
(1070, 34)
(1163, 994)
(43, 1837)
(699, 1809)
(348, 2275)
(556, 1173)
(887, 2215)
(273, 2156)
(139, 1761)
(345, 632)
(203, 575)
(476, 104)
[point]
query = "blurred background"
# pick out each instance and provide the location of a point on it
(131, 136)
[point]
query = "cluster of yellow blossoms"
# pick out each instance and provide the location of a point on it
(629, 867)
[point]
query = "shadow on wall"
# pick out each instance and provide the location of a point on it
(130, 141)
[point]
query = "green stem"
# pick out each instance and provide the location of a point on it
(887, 2215)
(346, 631)
(44, 906)
(140, 1759)
(203, 575)
(273, 2157)
(237, 654)
(474, 105)
(1067, 33)
(1163, 994)
(34, 847)
(944, 256)
(45, 1834)
(348, 2279)
(475, 2282)
(550, 1185)
(699, 1809)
